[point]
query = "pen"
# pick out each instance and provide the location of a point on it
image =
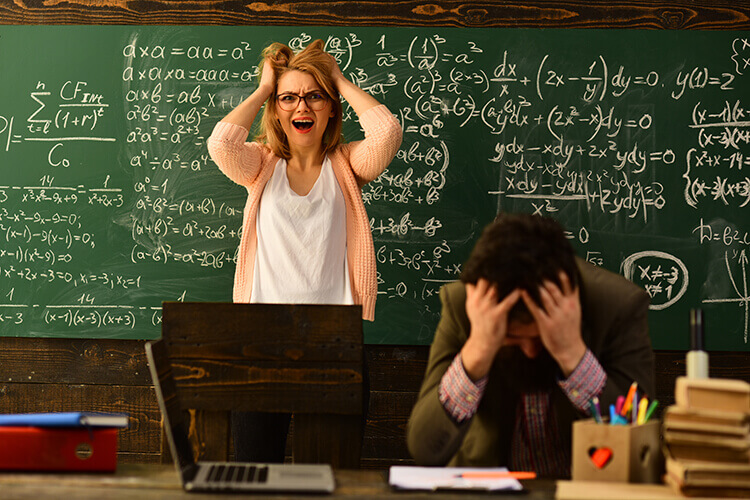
(594, 408)
(642, 407)
(634, 409)
(629, 399)
(650, 410)
(498, 475)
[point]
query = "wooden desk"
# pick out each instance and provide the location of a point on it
(159, 482)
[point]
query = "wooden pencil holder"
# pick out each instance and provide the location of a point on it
(616, 453)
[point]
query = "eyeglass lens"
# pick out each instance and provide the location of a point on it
(315, 101)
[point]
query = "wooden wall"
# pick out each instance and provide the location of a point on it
(112, 375)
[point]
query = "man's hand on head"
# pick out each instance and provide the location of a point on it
(489, 325)
(559, 322)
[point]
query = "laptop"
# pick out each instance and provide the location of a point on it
(223, 476)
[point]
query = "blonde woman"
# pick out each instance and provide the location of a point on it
(306, 235)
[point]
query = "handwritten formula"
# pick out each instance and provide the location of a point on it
(637, 142)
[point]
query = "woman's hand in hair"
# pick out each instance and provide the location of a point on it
(267, 84)
(335, 71)
(357, 98)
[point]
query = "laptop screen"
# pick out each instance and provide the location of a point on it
(175, 422)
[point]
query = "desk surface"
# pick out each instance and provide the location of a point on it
(160, 482)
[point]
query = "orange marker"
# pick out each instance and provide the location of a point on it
(498, 475)
(629, 399)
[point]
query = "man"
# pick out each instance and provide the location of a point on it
(525, 340)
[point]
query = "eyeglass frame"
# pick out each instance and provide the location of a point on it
(325, 99)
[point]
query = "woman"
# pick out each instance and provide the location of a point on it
(306, 235)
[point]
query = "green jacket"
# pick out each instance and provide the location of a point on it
(615, 329)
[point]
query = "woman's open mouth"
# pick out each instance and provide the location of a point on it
(303, 124)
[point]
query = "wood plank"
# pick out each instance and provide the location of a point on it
(642, 14)
(284, 388)
(280, 333)
(396, 368)
(74, 361)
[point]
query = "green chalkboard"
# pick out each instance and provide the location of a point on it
(637, 141)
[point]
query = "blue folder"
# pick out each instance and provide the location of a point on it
(65, 419)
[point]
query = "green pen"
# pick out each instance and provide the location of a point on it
(650, 410)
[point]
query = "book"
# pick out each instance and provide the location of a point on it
(709, 474)
(712, 394)
(704, 491)
(710, 440)
(707, 421)
(708, 453)
(706, 431)
(58, 449)
(65, 419)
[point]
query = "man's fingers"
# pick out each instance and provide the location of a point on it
(567, 288)
(550, 294)
(505, 305)
(536, 311)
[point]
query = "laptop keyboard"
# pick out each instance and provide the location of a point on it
(237, 474)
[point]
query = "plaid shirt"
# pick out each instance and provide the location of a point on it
(536, 444)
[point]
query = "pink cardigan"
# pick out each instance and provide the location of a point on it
(251, 164)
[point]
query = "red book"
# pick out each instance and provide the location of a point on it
(58, 449)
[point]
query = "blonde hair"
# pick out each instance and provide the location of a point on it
(314, 61)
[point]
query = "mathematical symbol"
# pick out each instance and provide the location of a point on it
(644, 272)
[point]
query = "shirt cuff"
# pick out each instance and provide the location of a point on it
(458, 394)
(586, 381)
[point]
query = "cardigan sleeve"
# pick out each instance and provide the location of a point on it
(369, 157)
(239, 160)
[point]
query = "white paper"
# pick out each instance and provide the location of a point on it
(433, 478)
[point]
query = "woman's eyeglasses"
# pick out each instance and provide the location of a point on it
(315, 101)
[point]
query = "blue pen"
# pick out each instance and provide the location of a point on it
(612, 415)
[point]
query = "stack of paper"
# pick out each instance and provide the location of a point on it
(707, 437)
(452, 478)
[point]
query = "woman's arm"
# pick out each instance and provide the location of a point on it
(383, 133)
(359, 100)
(245, 112)
(236, 159)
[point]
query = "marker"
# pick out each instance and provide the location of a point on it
(650, 410)
(620, 403)
(629, 399)
(614, 418)
(498, 475)
(634, 409)
(594, 408)
(642, 407)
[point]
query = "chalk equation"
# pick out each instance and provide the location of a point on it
(108, 192)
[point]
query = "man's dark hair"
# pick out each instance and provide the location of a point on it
(521, 251)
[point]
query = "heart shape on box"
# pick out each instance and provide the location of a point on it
(600, 456)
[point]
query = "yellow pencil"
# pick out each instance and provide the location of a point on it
(642, 407)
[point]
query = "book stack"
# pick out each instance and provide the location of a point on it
(707, 438)
(73, 441)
